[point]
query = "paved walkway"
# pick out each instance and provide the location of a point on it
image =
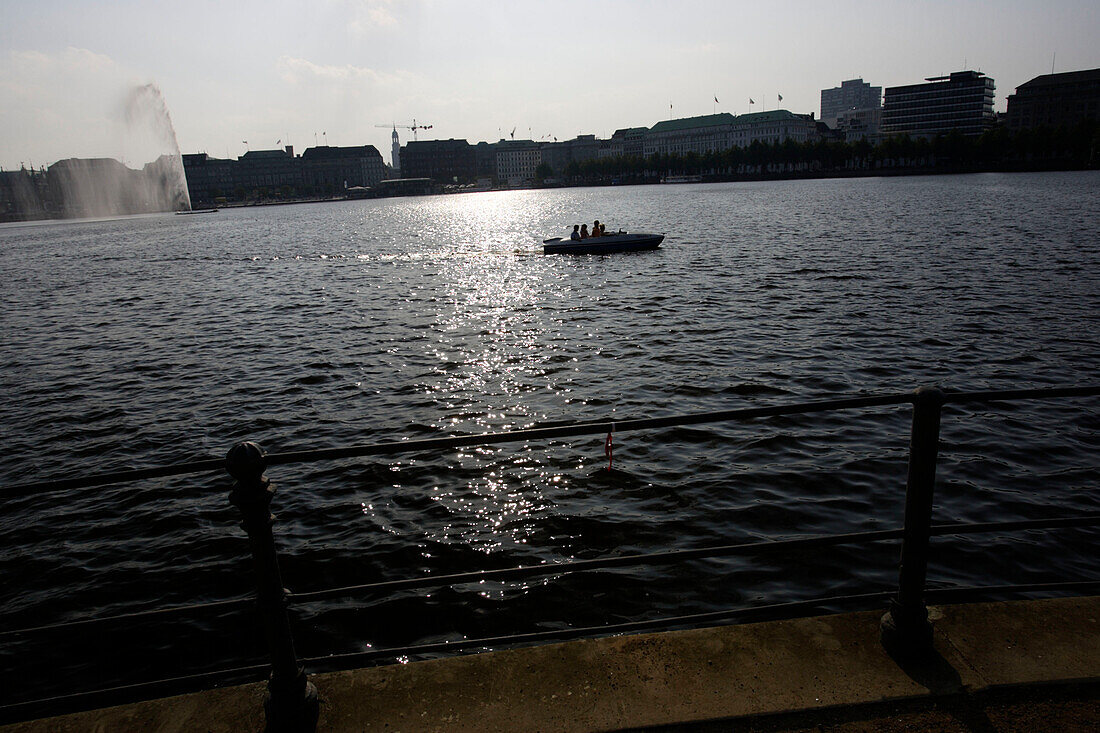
(1034, 664)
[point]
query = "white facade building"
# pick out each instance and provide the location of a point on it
(517, 161)
(720, 132)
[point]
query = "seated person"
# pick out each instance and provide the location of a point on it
(596, 228)
(576, 232)
(584, 231)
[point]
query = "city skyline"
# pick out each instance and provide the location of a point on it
(260, 76)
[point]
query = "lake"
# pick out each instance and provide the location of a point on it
(143, 341)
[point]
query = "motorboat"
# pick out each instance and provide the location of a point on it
(606, 244)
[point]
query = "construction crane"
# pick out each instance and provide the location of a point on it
(414, 127)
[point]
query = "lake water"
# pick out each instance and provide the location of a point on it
(153, 340)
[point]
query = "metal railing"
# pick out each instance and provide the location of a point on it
(291, 703)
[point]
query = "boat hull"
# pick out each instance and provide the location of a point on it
(603, 245)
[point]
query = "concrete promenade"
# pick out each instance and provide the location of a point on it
(1023, 665)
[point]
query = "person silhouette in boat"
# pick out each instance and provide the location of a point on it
(596, 231)
(576, 232)
(584, 231)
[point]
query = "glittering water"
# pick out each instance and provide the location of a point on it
(151, 340)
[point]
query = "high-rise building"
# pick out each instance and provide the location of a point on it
(962, 101)
(1055, 100)
(854, 94)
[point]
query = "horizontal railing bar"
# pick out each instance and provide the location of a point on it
(577, 566)
(343, 660)
(405, 446)
(586, 428)
(124, 693)
(673, 556)
(119, 477)
(236, 604)
(1020, 394)
(257, 672)
(771, 610)
(557, 431)
(521, 572)
(946, 594)
(1081, 520)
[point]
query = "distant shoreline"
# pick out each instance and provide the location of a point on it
(892, 172)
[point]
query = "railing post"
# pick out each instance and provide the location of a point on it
(291, 702)
(905, 627)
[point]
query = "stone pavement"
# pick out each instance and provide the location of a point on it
(1034, 664)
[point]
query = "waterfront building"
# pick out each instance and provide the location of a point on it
(268, 169)
(630, 141)
(854, 94)
(859, 124)
(558, 155)
(443, 161)
(208, 179)
(517, 161)
(485, 159)
(773, 127)
(690, 135)
(331, 169)
(25, 194)
(1055, 100)
(960, 102)
(720, 132)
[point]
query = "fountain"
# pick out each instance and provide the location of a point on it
(99, 187)
(147, 114)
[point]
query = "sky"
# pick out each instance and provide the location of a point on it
(244, 75)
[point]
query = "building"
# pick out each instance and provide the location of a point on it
(859, 124)
(772, 128)
(558, 155)
(25, 194)
(331, 169)
(208, 179)
(630, 141)
(485, 158)
(443, 161)
(961, 102)
(690, 135)
(395, 151)
(1055, 100)
(723, 131)
(268, 169)
(854, 94)
(517, 161)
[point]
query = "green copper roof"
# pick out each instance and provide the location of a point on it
(688, 123)
(722, 118)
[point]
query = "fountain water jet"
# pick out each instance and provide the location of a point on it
(98, 187)
(146, 113)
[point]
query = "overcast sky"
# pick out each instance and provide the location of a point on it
(301, 73)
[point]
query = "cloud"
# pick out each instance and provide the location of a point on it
(293, 70)
(346, 78)
(369, 15)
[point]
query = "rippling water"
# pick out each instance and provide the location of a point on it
(145, 341)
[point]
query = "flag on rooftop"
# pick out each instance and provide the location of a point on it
(780, 97)
(716, 100)
(750, 101)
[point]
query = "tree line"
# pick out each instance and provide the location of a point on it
(998, 149)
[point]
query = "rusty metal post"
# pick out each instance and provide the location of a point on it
(905, 627)
(291, 702)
